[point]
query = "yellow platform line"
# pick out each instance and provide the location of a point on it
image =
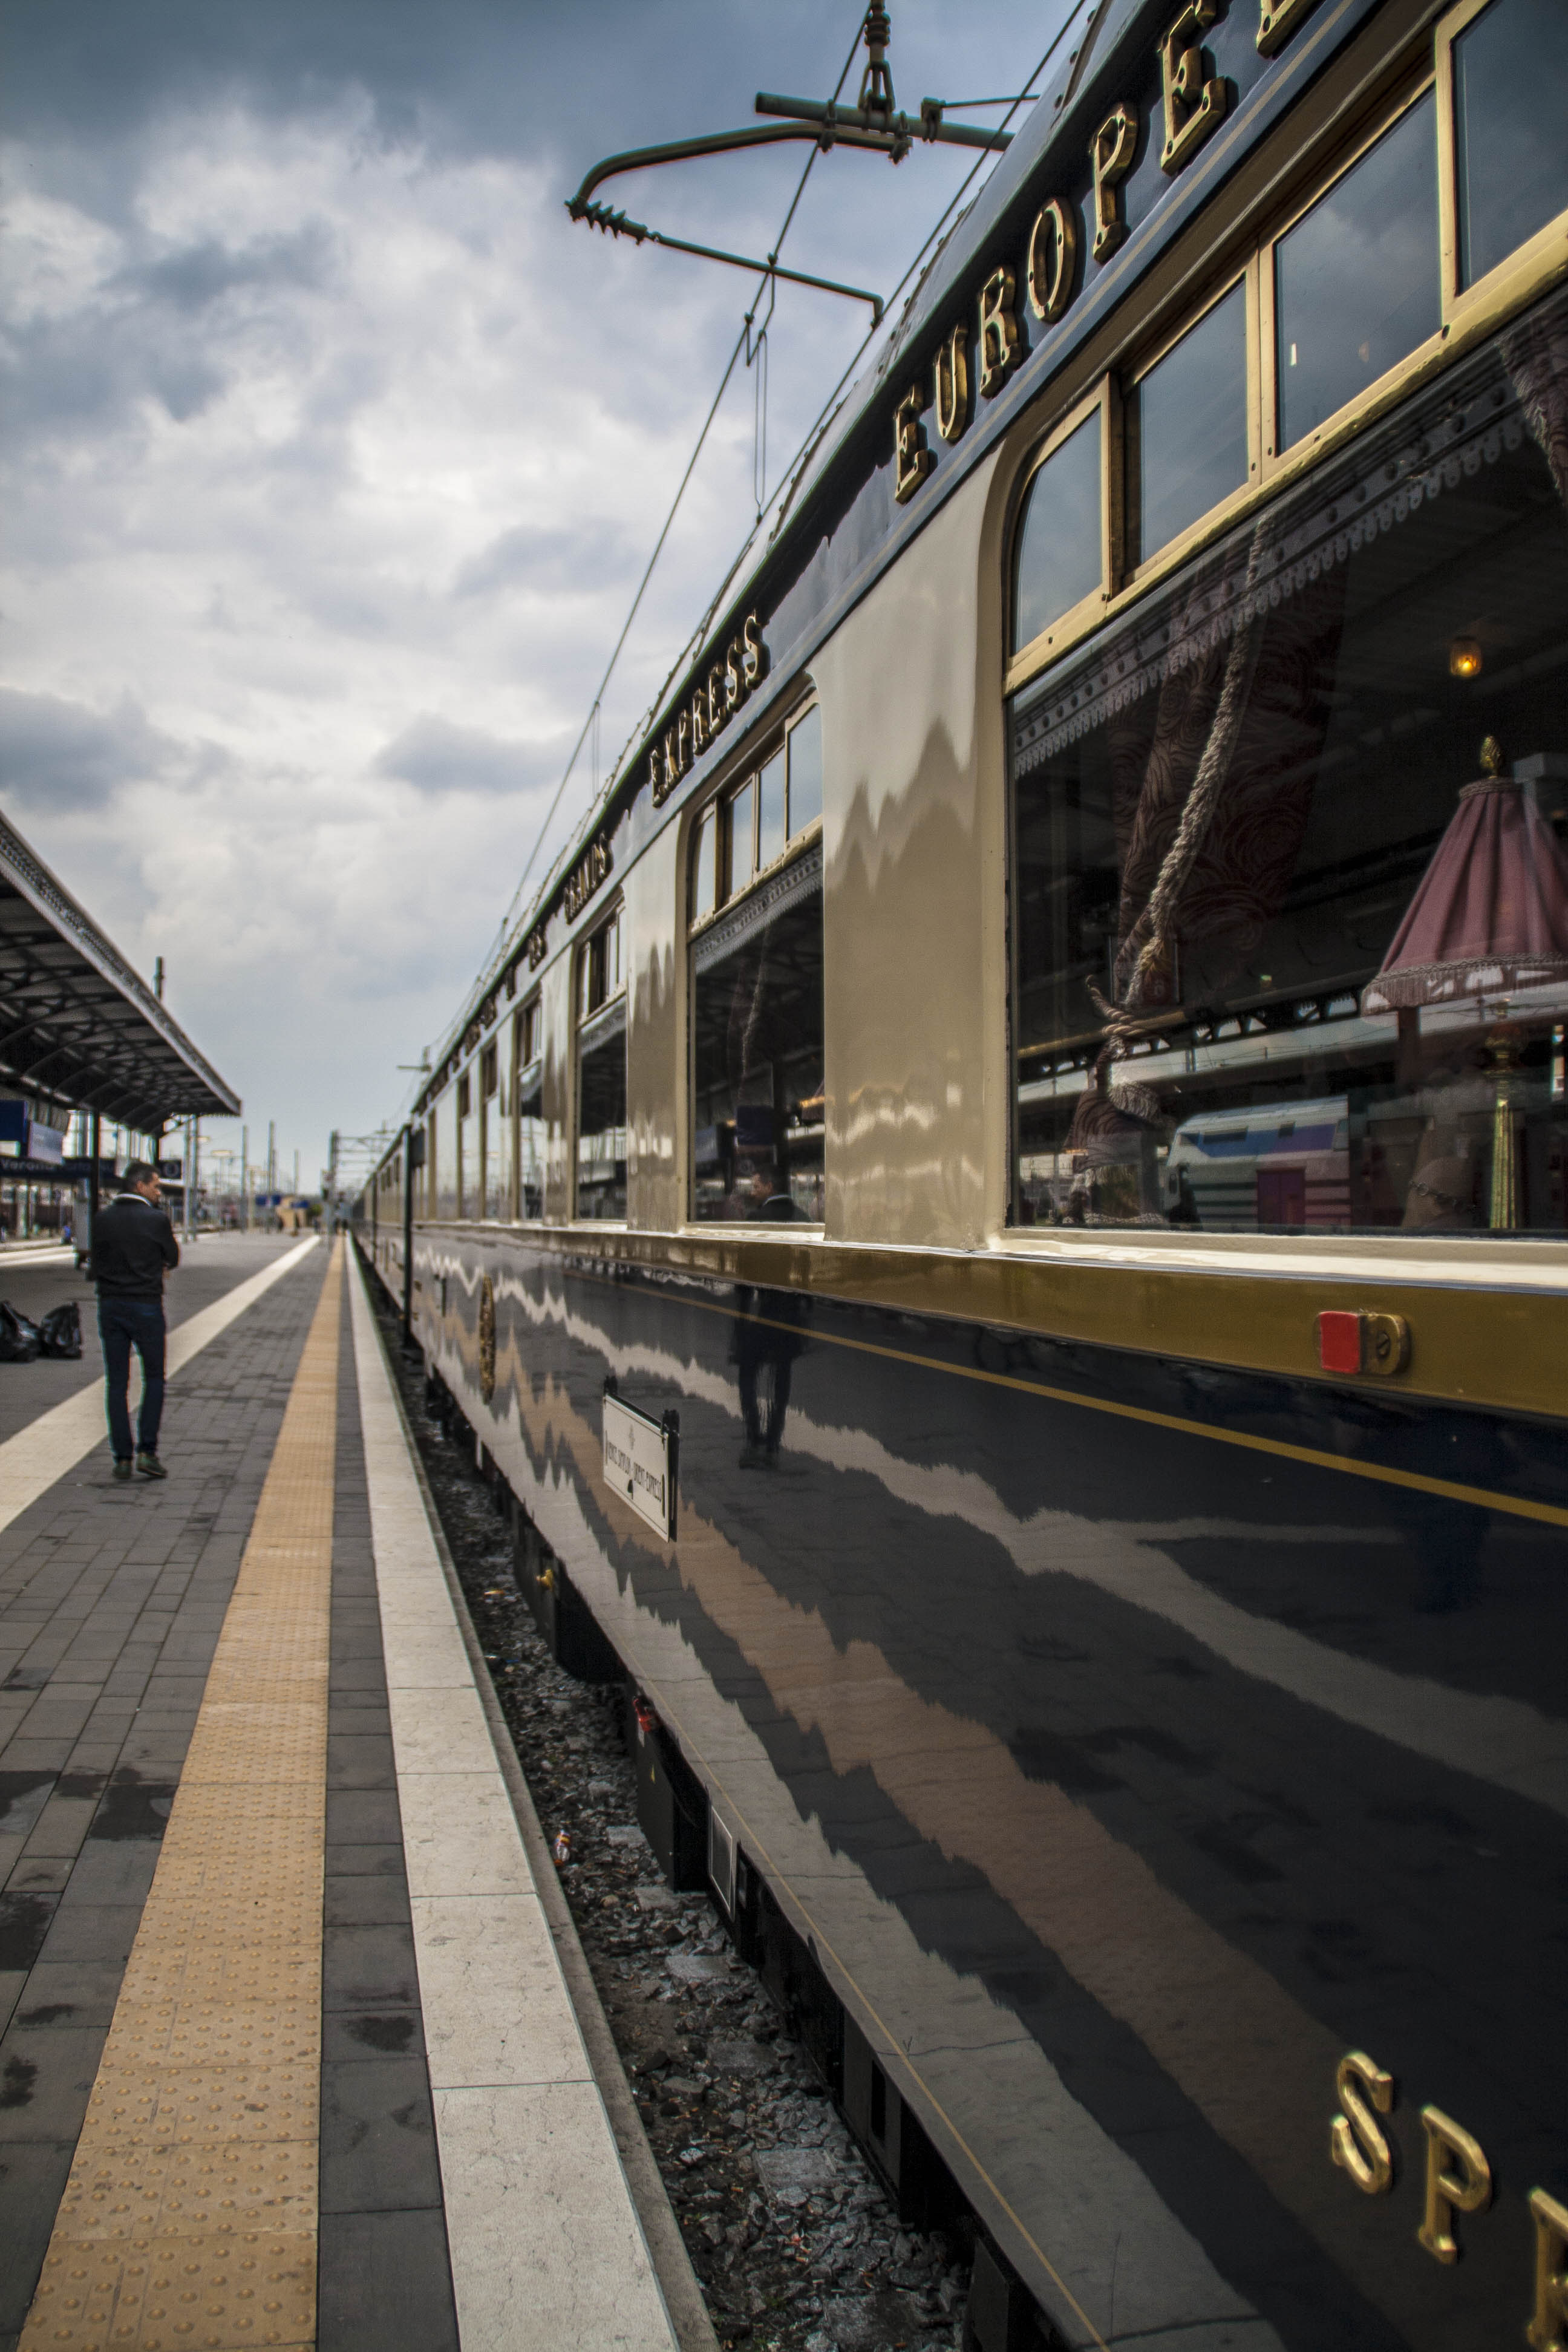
(190, 2216)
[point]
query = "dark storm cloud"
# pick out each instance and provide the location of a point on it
(63, 755)
(192, 278)
(436, 756)
(581, 560)
(149, 330)
(468, 78)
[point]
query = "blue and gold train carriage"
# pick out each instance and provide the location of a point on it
(1050, 1073)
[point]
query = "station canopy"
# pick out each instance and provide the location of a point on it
(76, 1025)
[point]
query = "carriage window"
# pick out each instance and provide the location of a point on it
(1186, 429)
(773, 826)
(529, 1113)
(468, 1176)
(495, 1136)
(743, 843)
(805, 749)
(1355, 281)
(1290, 852)
(442, 1159)
(1510, 104)
(1058, 560)
(601, 1075)
(757, 1026)
(705, 865)
(599, 968)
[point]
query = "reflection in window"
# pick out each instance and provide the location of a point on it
(494, 1187)
(1511, 106)
(757, 1052)
(1059, 559)
(805, 771)
(1186, 429)
(529, 1113)
(470, 1175)
(601, 1076)
(743, 840)
(1276, 965)
(441, 1159)
(599, 968)
(1355, 281)
(772, 828)
(705, 864)
(741, 835)
(495, 1134)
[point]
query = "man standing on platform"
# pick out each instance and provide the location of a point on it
(133, 1247)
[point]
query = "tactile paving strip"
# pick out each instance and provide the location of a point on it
(190, 2216)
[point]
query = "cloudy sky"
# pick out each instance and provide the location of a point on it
(333, 452)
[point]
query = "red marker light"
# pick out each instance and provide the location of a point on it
(1338, 1341)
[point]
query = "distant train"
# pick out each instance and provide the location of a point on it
(1002, 1219)
(1284, 1168)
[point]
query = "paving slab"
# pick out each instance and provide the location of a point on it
(111, 1598)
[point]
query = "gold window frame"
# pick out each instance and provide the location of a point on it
(1383, 387)
(583, 952)
(582, 949)
(1539, 256)
(1171, 550)
(1465, 319)
(1079, 618)
(529, 1015)
(746, 768)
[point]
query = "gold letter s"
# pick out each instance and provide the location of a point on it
(752, 657)
(1356, 2142)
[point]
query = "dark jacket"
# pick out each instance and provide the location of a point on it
(132, 1243)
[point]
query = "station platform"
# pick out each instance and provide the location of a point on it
(299, 2048)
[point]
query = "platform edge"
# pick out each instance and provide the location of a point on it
(678, 2280)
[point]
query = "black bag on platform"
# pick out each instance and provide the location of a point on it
(20, 1342)
(59, 1333)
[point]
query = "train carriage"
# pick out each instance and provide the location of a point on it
(1003, 1217)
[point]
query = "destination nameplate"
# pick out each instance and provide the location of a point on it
(641, 1462)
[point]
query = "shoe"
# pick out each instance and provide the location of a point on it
(122, 1470)
(150, 1467)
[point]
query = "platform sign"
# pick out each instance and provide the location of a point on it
(640, 1461)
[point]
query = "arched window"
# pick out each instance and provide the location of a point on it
(1059, 556)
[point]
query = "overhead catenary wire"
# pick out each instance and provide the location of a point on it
(789, 481)
(794, 472)
(743, 341)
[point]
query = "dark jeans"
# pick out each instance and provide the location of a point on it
(125, 1324)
